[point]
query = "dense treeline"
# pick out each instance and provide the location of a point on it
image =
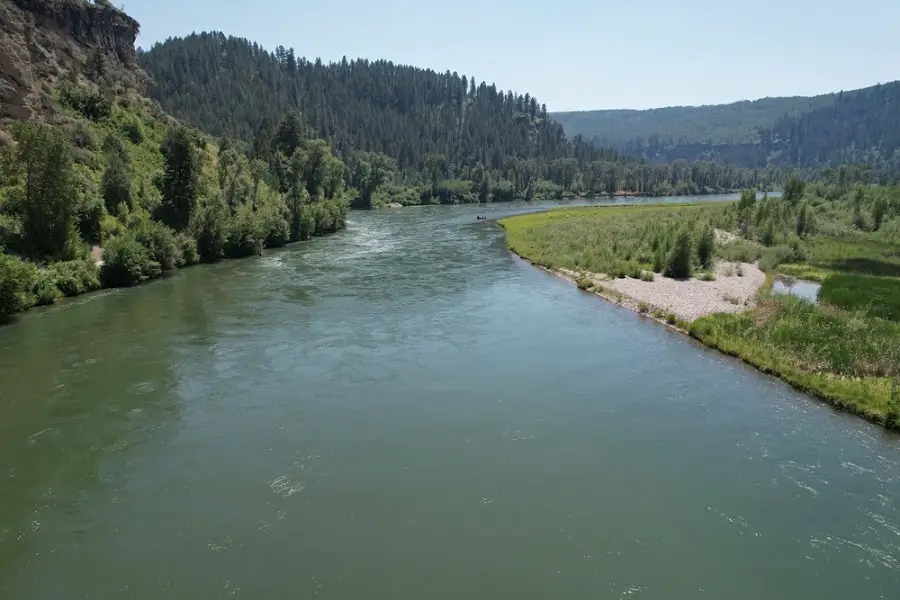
(452, 139)
(858, 127)
(148, 197)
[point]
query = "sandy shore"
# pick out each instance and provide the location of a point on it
(687, 299)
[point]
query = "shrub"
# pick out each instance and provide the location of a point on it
(17, 282)
(82, 136)
(705, 246)
(706, 276)
(90, 101)
(208, 226)
(740, 251)
(126, 262)
(10, 231)
(133, 131)
(246, 236)
(75, 277)
(188, 245)
(44, 288)
(772, 257)
(678, 262)
(646, 276)
(160, 242)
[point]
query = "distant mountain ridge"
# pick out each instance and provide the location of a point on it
(810, 132)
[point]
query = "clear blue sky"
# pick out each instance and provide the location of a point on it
(578, 54)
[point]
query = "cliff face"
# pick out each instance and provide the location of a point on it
(42, 41)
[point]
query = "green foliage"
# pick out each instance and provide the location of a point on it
(618, 241)
(160, 243)
(44, 288)
(17, 280)
(46, 201)
(811, 133)
(438, 128)
(126, 263)
(772, 257)
(180, 187)
(116, 181)
(75, 277)
(133, 130)
(90, 101)
(209, 226)
(706, 245)
(793, 189)
(188, 247)
(874, 296)
(678, 262)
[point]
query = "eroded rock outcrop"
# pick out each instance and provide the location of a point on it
(42, 41)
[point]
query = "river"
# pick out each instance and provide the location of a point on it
(404, 410)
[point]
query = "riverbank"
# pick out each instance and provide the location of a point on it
(846, 358)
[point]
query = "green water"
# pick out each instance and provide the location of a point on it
(405, 411)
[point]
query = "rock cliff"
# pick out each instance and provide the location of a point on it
(42, 41)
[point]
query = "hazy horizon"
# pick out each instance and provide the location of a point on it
(579, 56)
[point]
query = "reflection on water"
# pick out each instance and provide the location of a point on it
(806, 290)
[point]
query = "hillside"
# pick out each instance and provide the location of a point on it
(716, 124)
(452, 138)
(860, 126)
(99, 187)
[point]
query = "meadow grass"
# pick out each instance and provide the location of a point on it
(875, 296)
(616, 240)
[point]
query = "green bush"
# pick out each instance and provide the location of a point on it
(188, 245)
(133, 131)
(246, 236)
(10, 231)
(44, 288)
(17, 282)
(740, 251)
(678, 262)
(772, 257)
(706, 244)
(75, 277)
(209, 228)
(160, 242)
(89, 101)
(126, 262)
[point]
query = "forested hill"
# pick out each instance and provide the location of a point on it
(860, 126)
(453, 138)
(714, 124)
(229, 86)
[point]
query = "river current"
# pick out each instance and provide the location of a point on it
(405, 410)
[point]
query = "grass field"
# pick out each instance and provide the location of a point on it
(845, 350)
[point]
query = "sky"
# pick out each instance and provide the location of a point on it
(577, 54)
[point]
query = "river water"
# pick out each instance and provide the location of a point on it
(404, 410)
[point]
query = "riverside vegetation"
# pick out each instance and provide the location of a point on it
(115, 172)
(99, 187)
(844, 349)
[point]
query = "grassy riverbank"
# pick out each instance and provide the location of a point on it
(844, 349)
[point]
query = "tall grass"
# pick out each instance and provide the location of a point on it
(875, 296)
(841, 357)
(619, 241)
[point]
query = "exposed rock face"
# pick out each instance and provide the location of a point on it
(44, 40)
